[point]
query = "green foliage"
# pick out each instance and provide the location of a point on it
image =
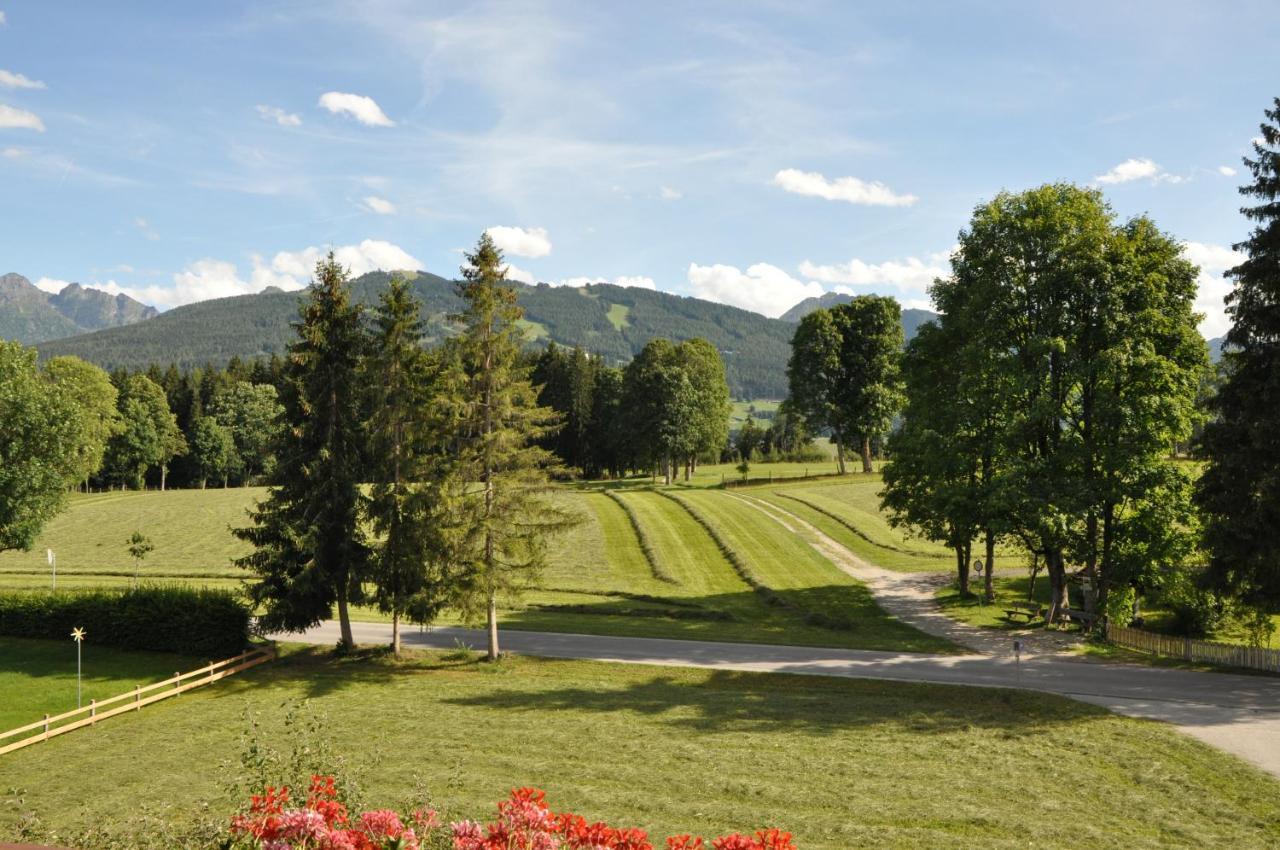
(1075, 349)
(44, 447)
(505, 520)
(204, 623)
(1239, 492)
(98, 418)
(310, 552)
(844, 371)
(250, 413)
(410, 428)
(148, 436)
(213, 450)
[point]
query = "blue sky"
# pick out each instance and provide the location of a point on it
(752, 153)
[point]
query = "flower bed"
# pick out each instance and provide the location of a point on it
(525, 822)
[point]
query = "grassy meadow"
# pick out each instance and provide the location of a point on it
(841, 763)
(600, 577)
(38, 677)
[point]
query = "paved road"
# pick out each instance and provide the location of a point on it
(1239, 714)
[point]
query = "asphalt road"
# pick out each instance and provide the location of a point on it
(1238, 714)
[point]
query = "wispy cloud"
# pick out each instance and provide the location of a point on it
(381, 206)
(363, 109)
(11, 117)
(10, 80)
(1212, 287)
(1226, 171)
(762, 288)
(278, 115)
(849, 189)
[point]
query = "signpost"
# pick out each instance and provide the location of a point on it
(77, 634)
(1017, 659)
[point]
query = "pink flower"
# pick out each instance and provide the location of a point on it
(467, 835)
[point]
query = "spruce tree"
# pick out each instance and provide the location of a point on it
(1239, 492)
(408, 429)
(509, 514)
(309, 550)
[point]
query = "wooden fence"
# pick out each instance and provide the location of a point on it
(132, 700)
(1203, 651)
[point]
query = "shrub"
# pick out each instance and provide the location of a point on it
(203, 623)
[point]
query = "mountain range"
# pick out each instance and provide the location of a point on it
(612, 321)
(28, 314)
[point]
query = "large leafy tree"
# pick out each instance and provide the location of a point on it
(213, 451)
(42, 446)
(1079, 340)
(414, 475)
(99, 418)
(816, 376)
(251, 414)
(148, 435)
(1239, 492)
(310, 552)
(704, 366)
(506, 519)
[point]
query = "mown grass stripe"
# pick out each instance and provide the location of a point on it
(642, 536)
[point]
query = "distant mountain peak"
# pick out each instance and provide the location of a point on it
(29, 314)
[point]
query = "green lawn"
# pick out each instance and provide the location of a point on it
(617, 316)
(38, 677)
(841, 763)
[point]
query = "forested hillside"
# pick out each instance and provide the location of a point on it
(613, 321)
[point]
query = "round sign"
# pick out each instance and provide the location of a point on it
(977, 566)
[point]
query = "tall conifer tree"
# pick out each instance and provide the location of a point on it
(1239, 492)
(310, 553)
(509, 514)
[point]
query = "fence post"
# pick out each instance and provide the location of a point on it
(137, 698)
(46, 727)
(93, 712)
(1186, 649)
(177, 681)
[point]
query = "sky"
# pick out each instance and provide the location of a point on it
(752, 153)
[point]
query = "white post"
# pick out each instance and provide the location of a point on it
(78, 643)
(53, 565)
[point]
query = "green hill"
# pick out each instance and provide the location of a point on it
(612, 321)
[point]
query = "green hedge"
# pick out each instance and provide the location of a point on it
(205, 623)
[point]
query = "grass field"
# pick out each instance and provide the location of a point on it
(598, 579)
(841, 763)
(38, 677)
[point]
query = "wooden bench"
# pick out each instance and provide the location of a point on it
(1031, 610)
(1084, 618)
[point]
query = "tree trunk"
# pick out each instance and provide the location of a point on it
(203, 481)
(866, 455)
(344, 621)
(988, 589)
(164, 472)
(395, 633)
(688, 468)
(839, 453)
(493, 626)
(962, 569)
(1055, 565)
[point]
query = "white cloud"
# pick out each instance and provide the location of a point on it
(288, 270)
(2, 20)
(532, 242)
(909, 278)
(12, 117)
(363, 109)
(763, 288)
(849, 189)
(1138, 169)
(669, 194)
(381, 206)
(10, 80)
(278, 115)
(52, 285)
(1226, 171)
(519, 275)
(1213, 260)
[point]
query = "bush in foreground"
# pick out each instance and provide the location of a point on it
(525, 822)
(200, 622)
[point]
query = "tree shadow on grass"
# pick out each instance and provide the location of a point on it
(737, 702)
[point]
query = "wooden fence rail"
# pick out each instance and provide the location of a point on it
(58, 724)
(1203, 651)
